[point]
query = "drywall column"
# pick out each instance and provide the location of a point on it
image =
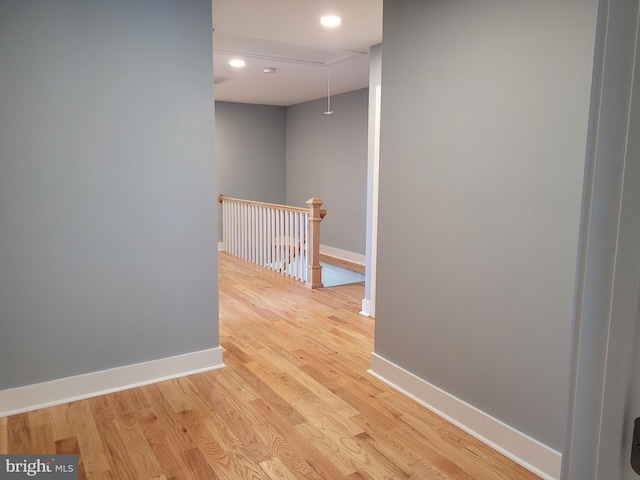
(368, 302)
(107, 186)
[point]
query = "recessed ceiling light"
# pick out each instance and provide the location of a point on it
(269, 70)
(330, 21)
(237, 62)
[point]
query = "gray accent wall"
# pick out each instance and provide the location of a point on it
(107, 185)
(250, 151)
(483, 138)
(327, 158)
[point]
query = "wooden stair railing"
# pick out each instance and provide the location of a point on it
(280, 237)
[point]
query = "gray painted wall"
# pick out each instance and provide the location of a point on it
(107, 185)
(327, 158)
(483, 137)
(250, 153)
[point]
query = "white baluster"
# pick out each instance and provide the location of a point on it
(254, 246)
(303, 262)
(225, 206)
(279, 225)
(270, 236)
(265, 246)
(294, 242)
(224, 221)
(243, 232)
(232, 227)
(260, 236)
(306, 246)
(236, 229)
(252, 240)
(285, 250)
(245, 244)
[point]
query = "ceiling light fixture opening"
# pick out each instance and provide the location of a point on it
(269, 70)
(330, 21)
(237, 63)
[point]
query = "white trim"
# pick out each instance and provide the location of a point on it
(522, 449)
(374, 207)
(221, 246)
(368, 308)
(69, 389)
(352, 257)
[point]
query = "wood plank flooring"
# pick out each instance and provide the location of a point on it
(294, 402)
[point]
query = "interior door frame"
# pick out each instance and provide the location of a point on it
(608, 276)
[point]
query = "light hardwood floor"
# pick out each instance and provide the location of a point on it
(294, 402)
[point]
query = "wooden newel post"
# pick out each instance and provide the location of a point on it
(314, 269)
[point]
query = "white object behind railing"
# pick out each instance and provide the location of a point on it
(282, 238)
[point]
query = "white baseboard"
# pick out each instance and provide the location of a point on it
(343, 254)
(367, 308)
(69, 389)
(522, 449)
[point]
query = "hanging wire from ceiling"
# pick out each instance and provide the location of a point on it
(329, 111)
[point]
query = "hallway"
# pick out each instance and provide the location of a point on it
(294, 402)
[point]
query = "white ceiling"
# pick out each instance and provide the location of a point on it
(287, 35)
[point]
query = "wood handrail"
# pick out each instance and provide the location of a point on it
(221, 197)
(263, 204)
